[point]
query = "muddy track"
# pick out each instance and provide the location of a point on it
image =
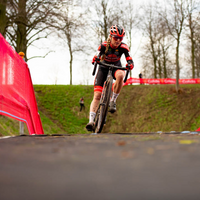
(105, 166)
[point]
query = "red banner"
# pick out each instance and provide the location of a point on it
(17, 97)
(161, 81)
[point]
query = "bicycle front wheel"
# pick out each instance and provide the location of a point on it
(105, 99)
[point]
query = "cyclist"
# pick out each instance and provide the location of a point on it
(110, 52)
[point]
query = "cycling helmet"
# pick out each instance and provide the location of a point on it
(117, 30)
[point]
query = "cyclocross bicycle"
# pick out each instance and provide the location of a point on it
(105, 96)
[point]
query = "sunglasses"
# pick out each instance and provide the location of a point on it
(117, 38)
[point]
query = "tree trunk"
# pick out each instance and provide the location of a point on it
(164, 59)
(164, 66)
(197, 60)
(21, 21)
(104, 6)
(3, 18)
(130, 48)
(153, 55)
(193, 58)
(192, 45)
(159, 68)
(155, 66)
(71, 60)
(159, 61)
(177, 64)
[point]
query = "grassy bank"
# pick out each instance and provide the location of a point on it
(153, 108)
(141, 108)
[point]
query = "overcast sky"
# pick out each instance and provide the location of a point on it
(54, 68)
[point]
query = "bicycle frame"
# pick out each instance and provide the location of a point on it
(105, 96)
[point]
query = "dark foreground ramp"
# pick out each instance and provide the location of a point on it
(100, 167)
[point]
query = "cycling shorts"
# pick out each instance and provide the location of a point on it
(102, 75)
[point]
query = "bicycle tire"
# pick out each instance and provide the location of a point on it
(96, 119)
(104, 105)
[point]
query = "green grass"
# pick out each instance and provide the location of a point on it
(152, 108)
(60, 105)
(140, 108)
(9, 126)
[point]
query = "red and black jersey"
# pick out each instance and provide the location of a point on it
(114, 55)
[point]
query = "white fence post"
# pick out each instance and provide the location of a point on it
(21, 128)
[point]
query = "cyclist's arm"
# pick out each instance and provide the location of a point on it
(100, 52)
(126, 52)
(102, 48)
(129, 59)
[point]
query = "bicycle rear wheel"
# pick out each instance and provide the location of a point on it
(104, 103)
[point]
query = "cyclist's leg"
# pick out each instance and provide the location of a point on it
(94, 105)
(98, 87)
(119, 76)
(93, 109)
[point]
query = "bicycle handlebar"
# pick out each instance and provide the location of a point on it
(111, 66)
(95, 65)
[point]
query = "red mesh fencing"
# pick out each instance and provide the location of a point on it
(17, 97)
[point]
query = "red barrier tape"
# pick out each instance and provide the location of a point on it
(162, 81)
(17, 97)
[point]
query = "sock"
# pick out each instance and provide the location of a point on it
(114, 97)
(92, 116)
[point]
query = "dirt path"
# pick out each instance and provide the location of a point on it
(100, 167)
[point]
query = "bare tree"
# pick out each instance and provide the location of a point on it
(174, 17)
(107, 15)
(197, 58)
(150, 27)
(131, 21)
(30, 20)
(193, 20)
(197, 46)
(21, 23)
(73, 27)
(102, 11)
(164, 46)
(158, 42)
(3, 17)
